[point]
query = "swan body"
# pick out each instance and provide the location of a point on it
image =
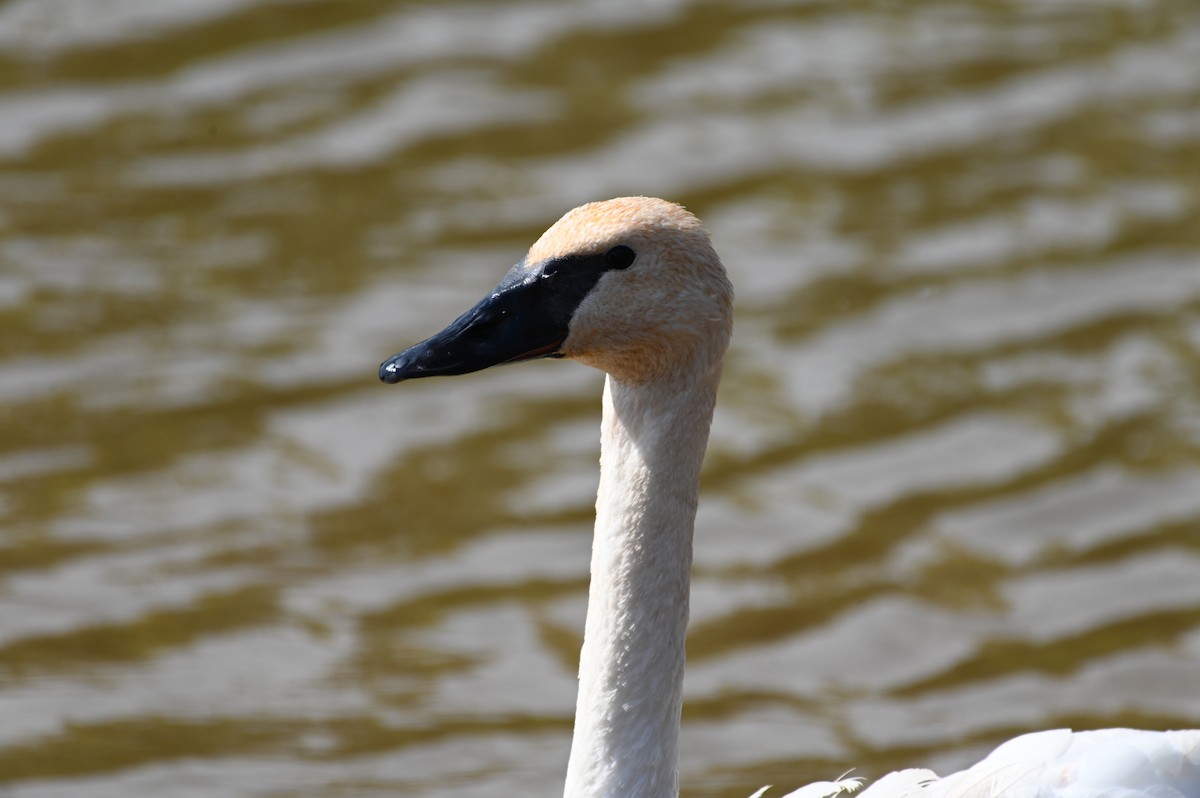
(632, 286)
(1060, 763)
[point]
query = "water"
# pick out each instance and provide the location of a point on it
(954, 486)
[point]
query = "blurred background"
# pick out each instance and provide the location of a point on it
(953, 492)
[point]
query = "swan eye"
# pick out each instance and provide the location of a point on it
(620, 257)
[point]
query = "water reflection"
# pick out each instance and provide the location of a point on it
(952, 489)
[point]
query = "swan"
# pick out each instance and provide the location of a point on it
(632, 286)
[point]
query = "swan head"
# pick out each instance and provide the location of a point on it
(631, 286)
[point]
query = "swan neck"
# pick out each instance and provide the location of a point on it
(653, 438)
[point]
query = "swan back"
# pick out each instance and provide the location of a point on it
(1059, 763)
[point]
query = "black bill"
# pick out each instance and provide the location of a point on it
(526, 316)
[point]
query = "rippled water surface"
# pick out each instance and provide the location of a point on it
(954, 486)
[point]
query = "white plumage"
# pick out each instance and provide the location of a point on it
(1106, 763)
(649, 304)
(1060, 763)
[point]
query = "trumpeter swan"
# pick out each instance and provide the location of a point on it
(633, 287)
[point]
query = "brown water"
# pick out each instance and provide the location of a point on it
(954, 487)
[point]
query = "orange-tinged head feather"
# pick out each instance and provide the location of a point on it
(670, 312)
(597, 226)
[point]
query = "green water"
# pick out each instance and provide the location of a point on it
(953, 492)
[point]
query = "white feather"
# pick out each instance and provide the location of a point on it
(1107, 763)
(827, 789)
(819, 789)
